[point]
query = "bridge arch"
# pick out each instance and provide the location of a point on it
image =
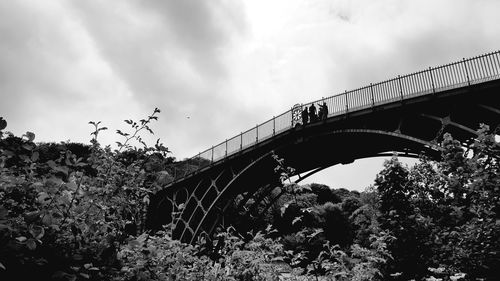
(410, 124)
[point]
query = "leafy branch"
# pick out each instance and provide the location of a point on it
(137, 127)
(96, 131)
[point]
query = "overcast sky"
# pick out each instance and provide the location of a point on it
(216, 68)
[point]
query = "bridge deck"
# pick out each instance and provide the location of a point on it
(430, 81)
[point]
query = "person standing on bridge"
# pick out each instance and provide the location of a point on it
(324, 111)
(305, 117)
(320, 112)
(312, 113)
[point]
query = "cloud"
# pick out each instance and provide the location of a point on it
(70, 62)
(171, 55)
(50, 73)
(227, 65)
(326, 47)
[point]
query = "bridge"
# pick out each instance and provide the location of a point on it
(407, 114)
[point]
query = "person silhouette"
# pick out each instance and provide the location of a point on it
(320, 112)
(324, 111)
(305, 117)
(312, 113)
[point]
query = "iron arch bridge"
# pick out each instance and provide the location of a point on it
(408, 114)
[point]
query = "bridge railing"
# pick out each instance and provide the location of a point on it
(429, 81)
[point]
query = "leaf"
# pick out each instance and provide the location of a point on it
(54, 181)
(21, 239)
(57, 168)
(43, 198)
(25, 158)
(3, 125)
(51, 163)
(72, 185)
(133, 243)
(29, 146)
(37, 231)
(31, 244)
(31, 216)
(276, 259)
(35, 156)
(283, 209)
(296, 220)
(48, 220)
(316, 232)
(30, 136)
(67, 161)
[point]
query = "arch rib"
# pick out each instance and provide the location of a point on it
(223, 191)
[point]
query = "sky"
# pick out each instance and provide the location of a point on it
(216, 68)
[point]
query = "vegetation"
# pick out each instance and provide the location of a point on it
(72, 211)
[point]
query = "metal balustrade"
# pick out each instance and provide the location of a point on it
(434, 79)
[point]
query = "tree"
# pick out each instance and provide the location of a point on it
(399, 216)
(444, 214)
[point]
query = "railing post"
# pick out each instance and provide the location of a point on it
(400, 87)
(371, 91)
(466, 71)
(241, 141)
(432, 80)
(495, 56)
(256, 134)
(274, 125)
(346, 103)
(226, 149)
(212, 154)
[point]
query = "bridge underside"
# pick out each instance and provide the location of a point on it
(200, 203)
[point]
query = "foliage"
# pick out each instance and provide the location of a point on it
(364, 220)
(361, 264)
(158, 257)
(445, 213)
(66, 207)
